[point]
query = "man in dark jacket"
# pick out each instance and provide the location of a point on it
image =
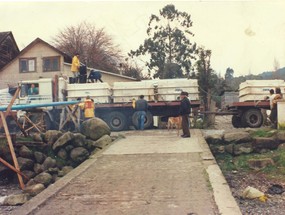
(141, 107)
(184, 111)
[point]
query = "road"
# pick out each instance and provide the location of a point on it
(152, 172)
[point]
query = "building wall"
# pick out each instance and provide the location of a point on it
(12, 75)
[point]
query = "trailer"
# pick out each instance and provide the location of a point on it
(248, 112)
(113, 104)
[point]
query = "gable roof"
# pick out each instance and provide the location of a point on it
(8, 48)
(38, 40)
(32, 44)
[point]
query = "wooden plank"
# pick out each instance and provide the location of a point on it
(11, 147)
(12, 168)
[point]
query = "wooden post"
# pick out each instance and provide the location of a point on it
(11, 147)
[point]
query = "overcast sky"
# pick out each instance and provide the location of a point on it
(247, 36)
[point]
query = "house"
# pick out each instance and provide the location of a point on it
(8, 48)
(41, 60)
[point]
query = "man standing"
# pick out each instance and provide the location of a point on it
(75, 65)
(141, 106)
(89, 108)
(184, 111)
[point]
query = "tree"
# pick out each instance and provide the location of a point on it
(168, 44)
(95, 46)
(131, 70)
(229, 76)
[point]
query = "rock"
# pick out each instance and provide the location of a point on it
(214, 139)
(103, 142)
(38, 168)
(43, 178)
(63, 141)
(31, 182)
(37, 137)
(282, 146)
(40, 157)
(237, 137)
(68, 148)
(51, 136)
(79, 140)
(65, 170)
(90, 144)
(230, 149)
(62, 154)
(53, 171)
(264, 143)
(95, 128)
(25, 163)
(49, 163)
(242, 148)
(17, 199)
(79, 154)
(280, 136)
(25, 152)
(258, 164)
(29, 174)
(217, 149)
(34, 190)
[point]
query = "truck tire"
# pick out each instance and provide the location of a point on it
(148, 123)
(116, 121)
(252, 118)
(236, 121)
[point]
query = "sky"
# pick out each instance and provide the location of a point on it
(247, 36)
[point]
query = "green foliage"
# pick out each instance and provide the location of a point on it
(229, 163)
(168, 43)
(262, 133)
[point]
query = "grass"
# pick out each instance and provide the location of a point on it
(263, 133)
(229, 163)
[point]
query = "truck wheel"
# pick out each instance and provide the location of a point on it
(148, 122)
(253, 118)
(117, 121)
(236, 121)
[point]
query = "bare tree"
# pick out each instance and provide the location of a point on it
(95, 46)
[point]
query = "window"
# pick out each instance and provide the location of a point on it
(28, 65)
(51, 64)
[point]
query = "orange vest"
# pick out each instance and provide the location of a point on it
(89, 107)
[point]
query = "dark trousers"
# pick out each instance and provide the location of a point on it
(273, 117)
(185, 125)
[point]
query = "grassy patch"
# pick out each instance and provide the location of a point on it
(263, 133)
(229, 163)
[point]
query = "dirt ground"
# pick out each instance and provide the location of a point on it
(237, 182)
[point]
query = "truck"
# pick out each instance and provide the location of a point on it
(113, 104)
(247, 112)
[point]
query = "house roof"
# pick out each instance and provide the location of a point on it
(109, 73)
(4, 35)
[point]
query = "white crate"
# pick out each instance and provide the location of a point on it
(99, 92)
(168, 89)
(254, 90)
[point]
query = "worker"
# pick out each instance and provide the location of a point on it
(89, 108)
(33, 90)
(141, 107)
(184, 111)
(95, 75)
(75, 65)
(274, 114)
